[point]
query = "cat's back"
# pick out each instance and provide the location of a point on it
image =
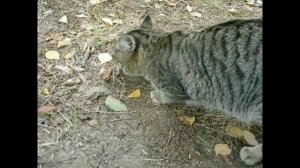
(221, 66)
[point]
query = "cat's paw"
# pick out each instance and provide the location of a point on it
(155, 97)
(251, 155)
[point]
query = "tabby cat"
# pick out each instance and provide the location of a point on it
(218, 68)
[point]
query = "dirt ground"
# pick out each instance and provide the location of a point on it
(82, 132)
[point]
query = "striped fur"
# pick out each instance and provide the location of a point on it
(218, 68)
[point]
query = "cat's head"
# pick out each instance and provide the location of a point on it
(129, 50)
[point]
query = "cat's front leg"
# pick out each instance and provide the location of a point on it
(157, 97)
(252, 155)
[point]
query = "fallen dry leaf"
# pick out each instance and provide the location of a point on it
(63, 43)
(48, 12)
(112, 15)
(118, 21)
(63, 19)
(188, 120)
(135, 94)
(72, 81)
(77, 68)
(102, 70)
(86, 25)
(52, 55)
(250, 138)
(196, 14)
(69, 55)
(81, 16)
(115, 104)
(259, 3)
(73, 32)
(96, 91)
(107, 73)
(234, 131)
(83, 117)
(250, 2)
(107, 21)
(63, 68)
(104, 57)
(222, 149)
(189, 8)
(94, 2)
(170, 3)
(46, 91)
(93, 123)
(233, 11)
(56, 36)
(157, 6)
(46, 109)
(249, 8)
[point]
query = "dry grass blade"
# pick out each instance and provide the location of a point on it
(67, 119)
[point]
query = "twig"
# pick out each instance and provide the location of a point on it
(176, 11)
(153, 159)
(66, 119)
(121, 119)
(48, 144)
(204, 142)
(170, 134)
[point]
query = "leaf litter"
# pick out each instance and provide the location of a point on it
(135, 94)
(52, 55)
(115, 104)
(46, 109)
(222, 149)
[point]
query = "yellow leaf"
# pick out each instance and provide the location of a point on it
(234, 131)
(134, 94)
(52, 55)
(250, 138)
(222, 149)
(46, 91)
(188, 120)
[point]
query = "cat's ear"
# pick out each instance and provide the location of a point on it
(147, 23)
(126, 43)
